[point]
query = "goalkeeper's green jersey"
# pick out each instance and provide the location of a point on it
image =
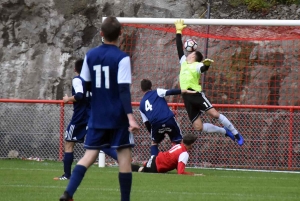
(189, 76)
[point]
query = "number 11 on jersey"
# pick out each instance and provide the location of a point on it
(98, 70)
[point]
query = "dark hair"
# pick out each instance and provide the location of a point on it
(111, 28)
(78, 65)
(199, 56)
(146, 85)
(189, 139)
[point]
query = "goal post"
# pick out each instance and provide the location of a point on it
(230, 22)
(256, 64)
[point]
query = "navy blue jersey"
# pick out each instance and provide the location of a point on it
(106, 66)
(81, 108)
(154, 107)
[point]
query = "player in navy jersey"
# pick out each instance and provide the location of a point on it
(157, 116)
(76, 129)
(111, 123)
(176, 158)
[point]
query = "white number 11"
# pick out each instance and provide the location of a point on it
(105, 69)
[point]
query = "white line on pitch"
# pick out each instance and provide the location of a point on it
(152, 191)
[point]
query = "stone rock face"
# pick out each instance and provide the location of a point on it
(41, 39)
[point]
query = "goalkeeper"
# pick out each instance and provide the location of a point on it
(190, 72)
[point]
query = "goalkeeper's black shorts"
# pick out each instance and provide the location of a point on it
(196, 104)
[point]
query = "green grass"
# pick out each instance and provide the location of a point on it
(30, 180)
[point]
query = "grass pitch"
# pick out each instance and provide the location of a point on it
(31, 180)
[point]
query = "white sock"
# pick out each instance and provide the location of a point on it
(223, 120)
(210, 128)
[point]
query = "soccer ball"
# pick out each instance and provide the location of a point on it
(190, 45)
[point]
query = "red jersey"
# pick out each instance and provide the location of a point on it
(176, 158)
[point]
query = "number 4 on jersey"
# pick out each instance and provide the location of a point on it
(148, 106)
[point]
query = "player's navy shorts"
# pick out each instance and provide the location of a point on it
(171, 127)
(75, 133)
(196, 104)
(150, 166)
(114, 138)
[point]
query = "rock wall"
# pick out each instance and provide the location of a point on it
(41, 39)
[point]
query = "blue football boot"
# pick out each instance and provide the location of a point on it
(229, 134)
(239, 139)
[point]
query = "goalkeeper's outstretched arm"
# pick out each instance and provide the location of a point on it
(179, 27)
(179, 46)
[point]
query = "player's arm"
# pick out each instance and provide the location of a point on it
(124, 81)
(146, 121)
(163, 92)
(179, 27)
(77, 85)
(206, 65)
(86, 75)
(182, 161)
(181, 169)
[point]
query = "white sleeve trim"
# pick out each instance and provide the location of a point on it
(143, 117)
(199, 66)
(183, 59)
(85, 71)
(161, 92)
(124, 72)
(183, 157)
(77, 85)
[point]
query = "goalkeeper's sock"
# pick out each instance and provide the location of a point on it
(210, 128)
(110, 152)
(125, 180)
(68, 160)
(76, 178)
(154, 150)
(223, 120)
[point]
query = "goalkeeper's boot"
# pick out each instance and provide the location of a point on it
(66, 197)
(239, 139)
(63, 177)
(229, 134)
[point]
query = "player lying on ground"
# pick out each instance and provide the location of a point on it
(157, 116)
(176, 158)
(77, 127)
(191, 68)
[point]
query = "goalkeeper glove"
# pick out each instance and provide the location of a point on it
(179, 26)
(207, 62)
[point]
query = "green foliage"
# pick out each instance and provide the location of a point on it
(261, 5)
(258, 5)
(236, 3)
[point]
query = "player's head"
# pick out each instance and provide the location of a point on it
(195, 56)
(146, 85)
(111, 29)
(188, 140)
(78, 65)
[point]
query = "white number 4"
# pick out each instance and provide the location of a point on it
(105, 69)
(148, 106)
